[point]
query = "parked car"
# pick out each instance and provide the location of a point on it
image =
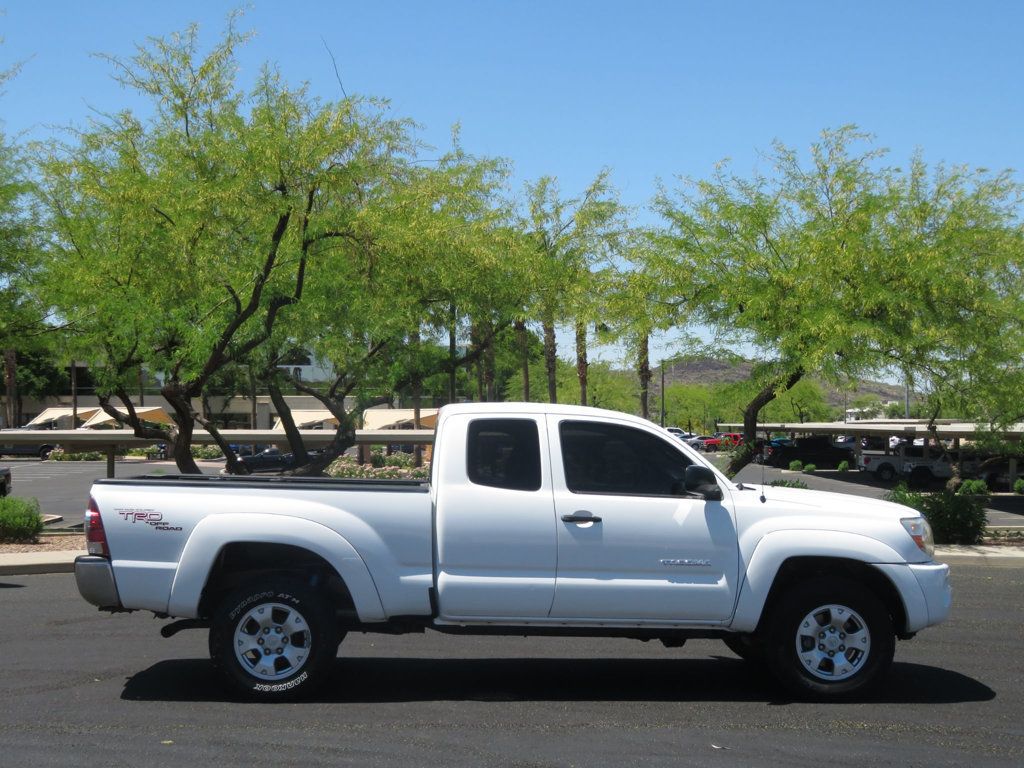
(39, 450)
(723, 441)
(818, 450)
(698, 443)
(270, 460)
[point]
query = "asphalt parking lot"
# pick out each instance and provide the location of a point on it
(86, 688)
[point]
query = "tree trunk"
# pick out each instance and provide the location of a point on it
(252, 399)
(550, 360)
(11, 388)
(582, 366)
(295, 441)
(489, 374)
(180, 439)
(765, 396)
(524, 353)
(643, 370)
(741, 458)
(452, 329)
(417, 395)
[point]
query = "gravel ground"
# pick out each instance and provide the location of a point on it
(47, 544)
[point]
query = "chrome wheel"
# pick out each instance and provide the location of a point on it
(272, 641)
(833, 642)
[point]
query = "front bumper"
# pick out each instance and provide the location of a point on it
(924, 589)
(95, 578)
(933, 578)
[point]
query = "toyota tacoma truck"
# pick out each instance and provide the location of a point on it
(536, 520)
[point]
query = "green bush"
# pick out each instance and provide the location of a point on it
(206, 452)
(788, 484)
(810, 469)
(796, 465)
(348, 467)
(844, 466)
(20, 520)
(59, 454)
(908, 498)
(138, 451)
(1018, 485)
(955, 519)
(973, 488)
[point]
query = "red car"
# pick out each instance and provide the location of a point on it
(723, 441)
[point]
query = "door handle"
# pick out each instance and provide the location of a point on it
(581, 517)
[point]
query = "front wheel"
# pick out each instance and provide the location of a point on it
(830, 640)
(274, 640)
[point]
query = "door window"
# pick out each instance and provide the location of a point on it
(612, 459)
(504, 453)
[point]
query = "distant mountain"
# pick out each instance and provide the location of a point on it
(707, 370)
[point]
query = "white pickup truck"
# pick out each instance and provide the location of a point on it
(537, 520)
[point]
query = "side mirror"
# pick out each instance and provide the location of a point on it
(701, 481)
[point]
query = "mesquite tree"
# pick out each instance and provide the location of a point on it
(181, 239)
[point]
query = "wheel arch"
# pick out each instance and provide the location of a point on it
(784, 556)
(794, 570)
(223, 549)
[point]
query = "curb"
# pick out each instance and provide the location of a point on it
(32, 563)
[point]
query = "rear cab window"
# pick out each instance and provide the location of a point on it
(504, 453)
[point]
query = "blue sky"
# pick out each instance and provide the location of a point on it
(649, 89)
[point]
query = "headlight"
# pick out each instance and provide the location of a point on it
(921, 533)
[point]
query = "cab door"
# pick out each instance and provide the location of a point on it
(494, 519)
(630, 546)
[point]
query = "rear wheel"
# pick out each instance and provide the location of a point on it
(829, 640)
(886, 473)
(274, 640)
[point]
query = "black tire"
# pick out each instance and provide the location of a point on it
(44, 452)
(279, 615)
(747, 647)
(886, 473)
(805, 646)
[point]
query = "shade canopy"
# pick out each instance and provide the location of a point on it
(154, 415)
(314, 419)
(50, 415)
(398, 418)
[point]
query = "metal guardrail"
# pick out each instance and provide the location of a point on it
(109, 440)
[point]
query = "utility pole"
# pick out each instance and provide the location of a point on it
(663, 393)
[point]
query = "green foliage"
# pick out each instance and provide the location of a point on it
(843, 266)
(954, 518)
(346, 466)
(901, 494)
(796, 465)
(844, 466)
(59, 454)
(788, 484)
(20, 519)
(401, 460)
(973, 487)
(207, 452)
(1018, 485)
(810, 469)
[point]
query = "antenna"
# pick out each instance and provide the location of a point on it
(764, 459)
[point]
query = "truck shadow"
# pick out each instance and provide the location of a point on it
(376, 680)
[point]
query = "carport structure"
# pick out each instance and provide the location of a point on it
(909, 429)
